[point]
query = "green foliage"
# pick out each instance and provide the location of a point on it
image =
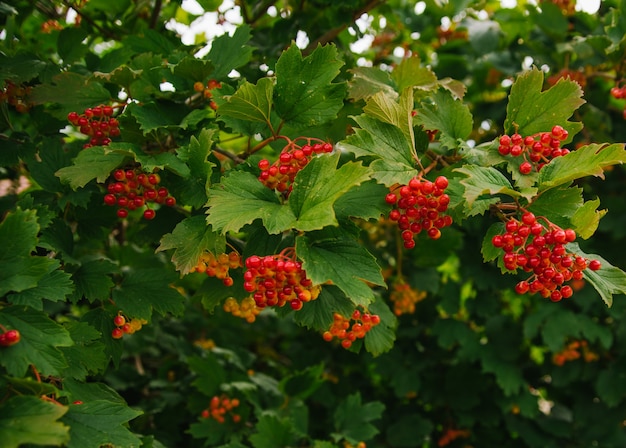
(128, 329)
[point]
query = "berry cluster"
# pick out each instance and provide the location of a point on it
(573, 351)
(219, 266)
(404, 298)
(124, 325)
(534, 247)
(451, 434)
(275, 280)
(281, 174)
(219, 406)
(98, 123)
(247, 309)
(619, 93)
(207, 90)
(567, 7)
(537, 150)
(349, 329)
(9, 337)
(17, 96)
(51, 25)
(566, 73)
(420, 205)
(133, 189)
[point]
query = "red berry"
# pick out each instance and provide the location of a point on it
(170, 201)
(594, 265)
(110, 199)
(441, 182)
(149, 214)
(391, 198)
(117, 333)
(122, 213)
(10, 338)
(525, 168)
(528, 218)
(119, 320)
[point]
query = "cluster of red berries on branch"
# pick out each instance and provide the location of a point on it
(404, 297)
(573, 351)
(541, 249)
(536, 150)
(619, 93)
(281, 174)
(124, 325)
(132, 189)
(17, 96)
(349, 329)
(220, 407)
(275, 280)
(218, 266)
(9, 337)
(98, 123)
(247, 309)
(420, 205)
(207, 90)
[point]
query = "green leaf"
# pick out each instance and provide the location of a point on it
(155, 115)
(587, 218)
(54, 286)
(93, 163)
(18, 238)
(144, 290)
(394, 162)
(530, 110)
(254, 201)
(367, 81)
(39, 338)
(387, 109)
(489, 251)
(381, 337)
(189, 239)
(410, 73)
(210, 374)
(230, 52)
(318, 314)
(611, 386)
(353, 419)
(193, 68)
(318, 186)
(483, 181)
(367, 201)
(608, 280)
(27, 419)
(93, 280)
(344, 262)
(87, 354)
(70, 44)
(558, 204)
(21, 67)
(250, 102)
(100, 422)
(195, 155)
(303, 383)
(72, 91)
(273, 431)
(586, 161)
(305, 95)
(451, 117)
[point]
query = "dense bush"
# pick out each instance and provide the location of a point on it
(380, 223)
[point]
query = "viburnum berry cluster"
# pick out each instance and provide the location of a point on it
(573, 351)
(281, 174)
(247, 309)
(219, 266)
(541, 250)
(17, 96)
(349, 329)
(98, 123)
(275, 280)
(536, 150)
(133, 189)
(220, 407)
(420, 205)
(404, 297)
(124, 325)
(207, 90)
(9, 337)
(619, 93)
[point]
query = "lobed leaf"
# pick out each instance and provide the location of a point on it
(250, 102)
(450, 117)
(589, 160)
(318, 186)
(94, 163)
(353, 419)
(30, 420)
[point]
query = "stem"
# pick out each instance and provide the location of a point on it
(230, 155)
(158, 4)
